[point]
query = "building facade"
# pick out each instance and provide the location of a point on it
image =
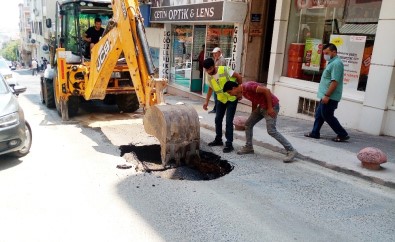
(363, 31)
(34, 31)
(280, 43)
(187, 30)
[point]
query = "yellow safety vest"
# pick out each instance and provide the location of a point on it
(218, 85)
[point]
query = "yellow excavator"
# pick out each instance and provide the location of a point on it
(118, 69)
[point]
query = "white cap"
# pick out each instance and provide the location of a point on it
(216, 49)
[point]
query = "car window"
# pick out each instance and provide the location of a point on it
(3, 86)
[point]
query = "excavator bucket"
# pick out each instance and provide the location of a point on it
(177, 128)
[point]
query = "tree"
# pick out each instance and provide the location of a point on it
(10, 50)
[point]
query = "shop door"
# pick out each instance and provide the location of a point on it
(199, 48)
(267, 41)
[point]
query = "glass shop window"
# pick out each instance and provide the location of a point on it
(182, 54)
(220, 36)
(349, 24)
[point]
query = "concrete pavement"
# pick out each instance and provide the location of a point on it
(341, 157)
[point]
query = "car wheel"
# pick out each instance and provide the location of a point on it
(28, 142)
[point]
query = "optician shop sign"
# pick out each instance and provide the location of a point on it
(194, 12)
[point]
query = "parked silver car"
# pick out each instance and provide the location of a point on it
(15, 131)
(5, 69)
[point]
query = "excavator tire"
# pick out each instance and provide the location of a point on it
(177, 128)
(48, 93)
(128, 103)
(65, 109)
(73, 105)
(42, 90)
(110, 99)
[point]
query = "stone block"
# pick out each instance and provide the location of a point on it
(372, 157)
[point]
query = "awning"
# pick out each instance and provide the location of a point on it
(358, 29)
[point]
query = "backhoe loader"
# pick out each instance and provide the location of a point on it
(117, 69)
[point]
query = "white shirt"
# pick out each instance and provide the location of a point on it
(34, 64)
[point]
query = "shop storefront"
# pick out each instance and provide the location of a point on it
(350, 24)
(353, 26)
(192, 29)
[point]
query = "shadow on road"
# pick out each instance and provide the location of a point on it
(8, 162)
(91, 117)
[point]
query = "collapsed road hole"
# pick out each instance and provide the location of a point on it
(148, 159)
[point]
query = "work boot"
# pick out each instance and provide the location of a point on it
(216, 143)
(246, 150)
(228, 148)
(290, 156)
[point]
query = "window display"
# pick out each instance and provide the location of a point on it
(182, 51)
(219, 36)
(187, 44)
(349, 24)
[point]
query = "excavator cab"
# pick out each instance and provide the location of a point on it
(118, 68)
(74, 18)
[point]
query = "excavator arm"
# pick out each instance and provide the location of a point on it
(175, 126)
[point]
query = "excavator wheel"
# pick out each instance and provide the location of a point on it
(48, 93)
(128, 103)
(177, 128)
(110, 99)
(65, 108)
(42, 90)
(73, 105)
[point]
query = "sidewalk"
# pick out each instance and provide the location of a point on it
(341, 157)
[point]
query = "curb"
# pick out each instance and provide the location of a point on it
(314, 161)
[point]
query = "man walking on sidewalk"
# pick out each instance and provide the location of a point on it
(330, 92)
(217, 77)
(264, 105)
(34, 67)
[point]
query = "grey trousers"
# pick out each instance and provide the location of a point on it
(257, 115)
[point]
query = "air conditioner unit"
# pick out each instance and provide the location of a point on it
(45, 48)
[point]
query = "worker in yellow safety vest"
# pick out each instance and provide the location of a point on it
(217, 77)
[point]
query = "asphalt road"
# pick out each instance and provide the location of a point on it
(69, 189)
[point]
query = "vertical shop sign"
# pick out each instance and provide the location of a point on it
(166, 55)
(234, 48)
(312, 54)
(350, 50)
